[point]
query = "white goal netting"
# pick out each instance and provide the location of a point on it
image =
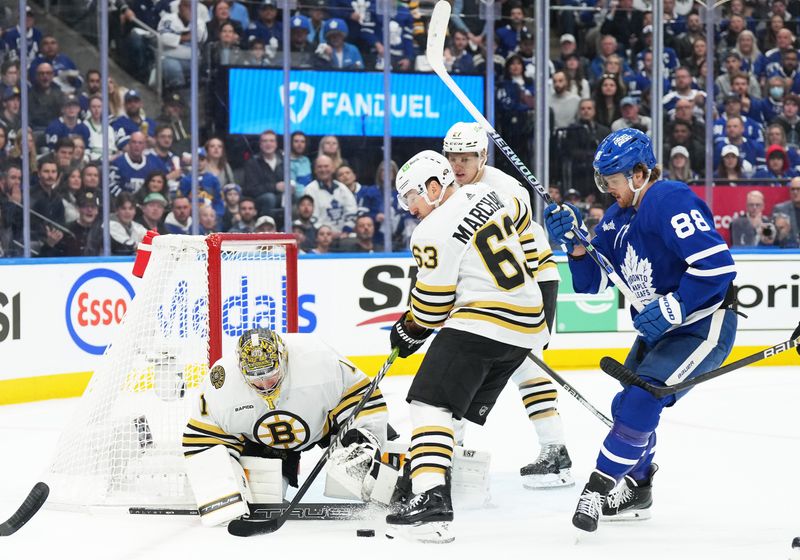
(123, 446)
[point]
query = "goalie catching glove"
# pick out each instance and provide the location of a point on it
(407, 336)
(351, 465)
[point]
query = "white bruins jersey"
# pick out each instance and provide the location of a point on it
(476, 272)
(319, 391)
(505, 183)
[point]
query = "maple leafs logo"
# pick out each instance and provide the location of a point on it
(638, 275)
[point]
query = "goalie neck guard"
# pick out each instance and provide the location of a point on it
(262, 359)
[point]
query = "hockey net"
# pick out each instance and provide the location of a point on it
(198, 294)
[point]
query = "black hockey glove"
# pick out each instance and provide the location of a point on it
(407, 336)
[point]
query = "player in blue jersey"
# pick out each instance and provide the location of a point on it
(660, 239)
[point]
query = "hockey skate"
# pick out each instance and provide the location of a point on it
(550, 470)
(591, 501)
(631, 499)
(425, 518)
(402, 490)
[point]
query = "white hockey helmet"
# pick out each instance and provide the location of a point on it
(466, 137)
(413, 177)
(262, 359)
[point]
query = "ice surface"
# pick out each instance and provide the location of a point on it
(727, 488)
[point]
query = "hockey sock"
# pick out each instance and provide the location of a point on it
(431, 450)
(641, 471)
(622, 449)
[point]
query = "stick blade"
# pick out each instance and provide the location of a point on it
(32, 504)
(437, 30)
(247, 528)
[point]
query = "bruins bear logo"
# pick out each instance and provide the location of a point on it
(217, 376)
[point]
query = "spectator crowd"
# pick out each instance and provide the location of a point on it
(599, 80)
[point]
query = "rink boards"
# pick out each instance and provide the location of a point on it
(58, 316)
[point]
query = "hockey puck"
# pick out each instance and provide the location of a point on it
(365, 532)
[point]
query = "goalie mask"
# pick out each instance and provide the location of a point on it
(413, 178)
(262, 359)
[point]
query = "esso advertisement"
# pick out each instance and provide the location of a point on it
(95, 307)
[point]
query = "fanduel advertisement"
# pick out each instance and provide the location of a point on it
(346, 103)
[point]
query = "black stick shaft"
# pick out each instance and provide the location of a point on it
(569, 389)
(626, 376)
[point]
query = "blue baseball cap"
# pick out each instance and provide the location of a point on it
(334, 25)
(301, 22)
(132, 94)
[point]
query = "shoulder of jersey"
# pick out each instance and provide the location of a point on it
(669, 193)
(224, 375)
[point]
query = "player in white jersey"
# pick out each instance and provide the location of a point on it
(466, 147)
(283, 394)
(475, 282)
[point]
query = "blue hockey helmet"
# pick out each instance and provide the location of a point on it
(620, 152)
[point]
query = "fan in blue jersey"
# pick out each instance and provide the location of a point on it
(209, 191)
(660, 239)
(67, 124)
(132, 121)
(128, 171)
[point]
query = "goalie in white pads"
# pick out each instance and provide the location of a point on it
(475, 282)
(278, 396)
(466, 147)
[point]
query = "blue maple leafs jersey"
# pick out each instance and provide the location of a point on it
(668, 245)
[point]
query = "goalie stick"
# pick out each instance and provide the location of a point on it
(622, 374)
(435, 54)
(304, 512)
(247, 527)
(569, 389)
(28, 509)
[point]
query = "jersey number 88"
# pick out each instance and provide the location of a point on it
(685, 226)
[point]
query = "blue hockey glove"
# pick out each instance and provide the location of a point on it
(659, 315)
(559, 222)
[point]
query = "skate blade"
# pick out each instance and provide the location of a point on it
(435, 533)
(562, 479)
(632, 515)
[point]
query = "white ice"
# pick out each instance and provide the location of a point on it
(727, 488)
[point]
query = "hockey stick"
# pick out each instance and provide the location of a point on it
(248, 527)
(435, 54)
(28, 509)
(625, 376)
(303, 512)
(569, 389)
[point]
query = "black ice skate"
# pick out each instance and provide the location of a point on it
(631, 500)
(402, 490)
(550, 470)
(425, 518)
(591, 501)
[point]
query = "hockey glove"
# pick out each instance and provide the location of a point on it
(658, 316)
(560, 221)
(351, 464)
(407, 336)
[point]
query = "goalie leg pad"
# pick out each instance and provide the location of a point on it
(219, 485)
(265, 478)
(470, 478)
